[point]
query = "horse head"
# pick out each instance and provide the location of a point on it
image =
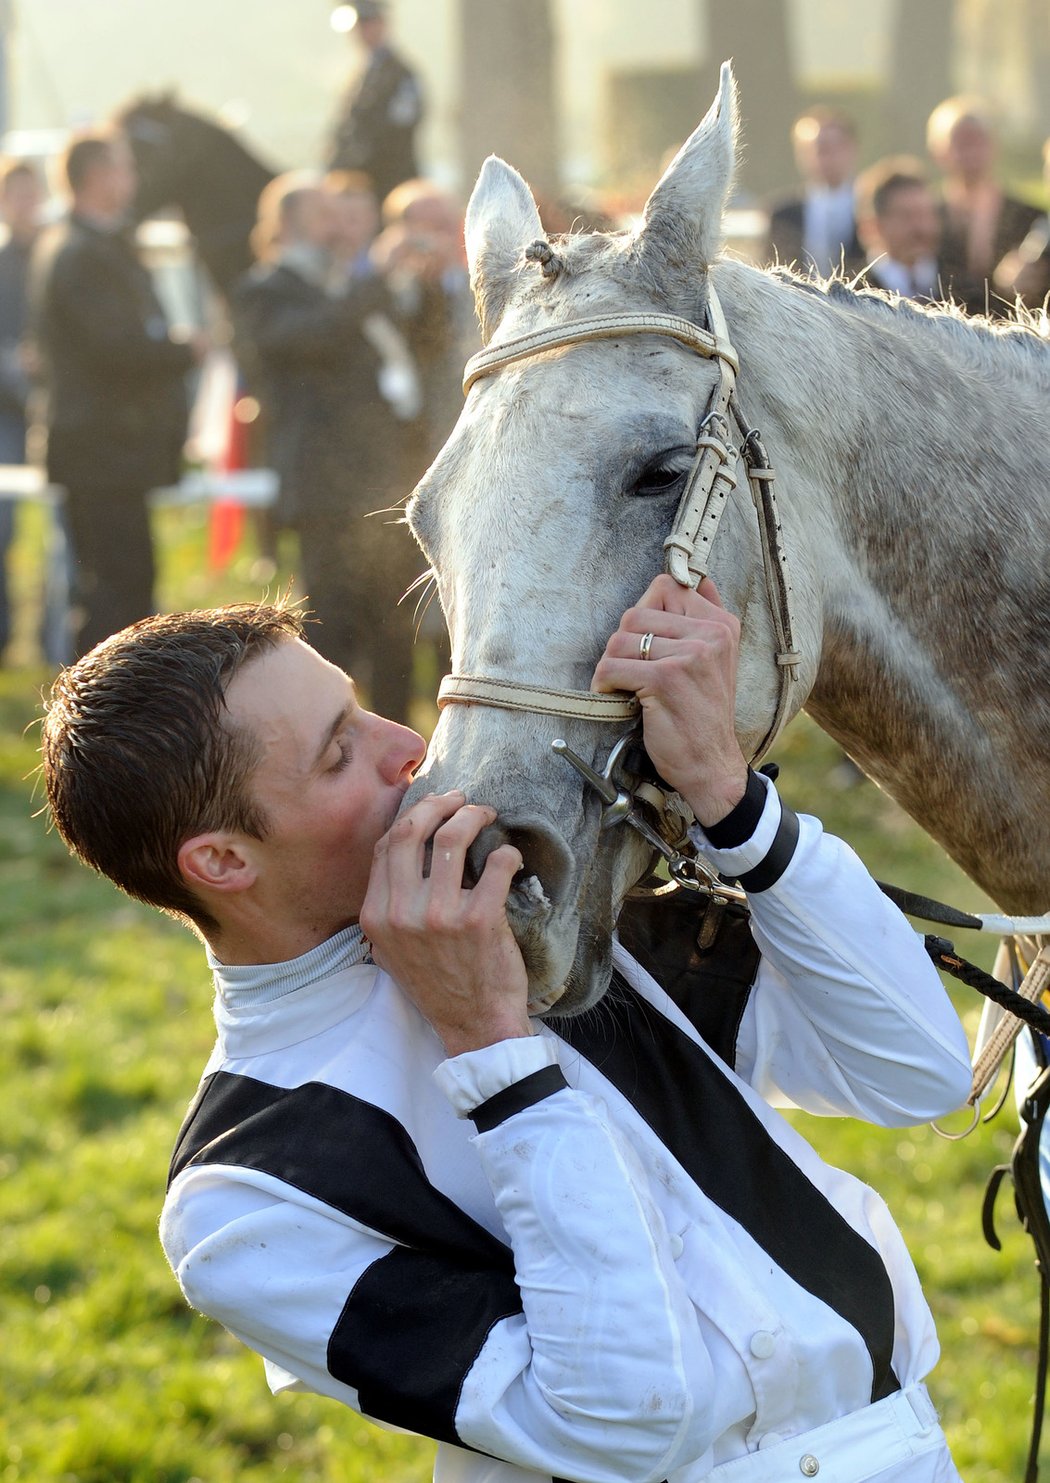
(151, 125)
(190, 161)
(545, 516)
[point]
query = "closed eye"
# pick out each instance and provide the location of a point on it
(346, 753)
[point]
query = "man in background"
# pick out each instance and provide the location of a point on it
(981, 222)
(816, 230)
(381, 110)
(317, 353)
(421, 254)
(114, 375)
(1024, 273)
(900, 228)
(21, 199)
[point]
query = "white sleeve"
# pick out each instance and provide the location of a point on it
(573, 1386)
(848, 1014)
(545, 1363)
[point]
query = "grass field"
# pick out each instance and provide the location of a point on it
(106, 1377)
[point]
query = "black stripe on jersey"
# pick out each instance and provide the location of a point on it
(704, 1121)
(418, 1317)
(341, 1150)
(410, 1332)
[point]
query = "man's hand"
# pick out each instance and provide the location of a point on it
(687, 689)
(451, 950)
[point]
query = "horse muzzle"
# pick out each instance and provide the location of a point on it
(545, 905)
(541, 899)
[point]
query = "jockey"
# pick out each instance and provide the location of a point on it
(581, 1248)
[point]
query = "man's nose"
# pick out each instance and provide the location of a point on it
(404, 751)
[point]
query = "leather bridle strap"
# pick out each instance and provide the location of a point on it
(515, 695)
(602, 327)
(688, 546)
(687, 550)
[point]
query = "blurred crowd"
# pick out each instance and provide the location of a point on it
(926, 227)
(349, 330)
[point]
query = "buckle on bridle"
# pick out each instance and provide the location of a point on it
(622, 806)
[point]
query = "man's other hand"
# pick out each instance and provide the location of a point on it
(448, 946)
(687, 690)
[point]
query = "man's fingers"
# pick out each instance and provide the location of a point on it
(399, 859)
(495, 881)
(708, 590)
(488, 899)
(669, 596)
(448, 845)
(410, 831)
(449, 851)
(663, 593)
(677, 617)
(614, 673)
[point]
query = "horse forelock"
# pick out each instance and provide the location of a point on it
(598, 272)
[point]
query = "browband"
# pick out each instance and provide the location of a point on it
(602, 327)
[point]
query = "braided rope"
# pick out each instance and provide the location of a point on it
(943, 954)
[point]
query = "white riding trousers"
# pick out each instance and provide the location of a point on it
(896, 1440)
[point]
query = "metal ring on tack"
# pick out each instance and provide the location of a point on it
(645, 644)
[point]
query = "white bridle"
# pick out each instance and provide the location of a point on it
(688, 546)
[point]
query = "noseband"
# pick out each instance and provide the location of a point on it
(688, 546)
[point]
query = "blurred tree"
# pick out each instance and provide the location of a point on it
(921, 71)
(756, 35)
(507, 67)
(1036, 38)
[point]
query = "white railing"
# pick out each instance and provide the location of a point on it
(254, 487)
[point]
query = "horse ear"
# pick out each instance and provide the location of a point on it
(501, 220)
(681, 228)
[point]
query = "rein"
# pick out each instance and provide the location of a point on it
(711, 477)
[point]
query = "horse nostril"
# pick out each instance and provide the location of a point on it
(543, 881)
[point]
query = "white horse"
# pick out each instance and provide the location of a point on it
(913, 472)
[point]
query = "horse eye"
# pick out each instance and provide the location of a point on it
(658, 479)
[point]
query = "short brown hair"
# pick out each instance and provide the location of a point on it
(138, 753)
(878, 184)
(278, 205)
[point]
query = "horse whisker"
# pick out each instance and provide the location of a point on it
(388, 510)
(420, 581)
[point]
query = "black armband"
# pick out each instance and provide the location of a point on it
(768, 871)
(535, 1087)
(742, 820)
(740, 824)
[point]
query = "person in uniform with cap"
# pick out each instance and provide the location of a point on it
(376, 126)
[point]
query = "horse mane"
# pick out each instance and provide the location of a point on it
(971, 340)
(976, 342)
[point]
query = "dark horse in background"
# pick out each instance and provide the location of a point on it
(195, 163)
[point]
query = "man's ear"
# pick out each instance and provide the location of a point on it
(217, 862)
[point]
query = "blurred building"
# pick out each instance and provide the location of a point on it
(626, 81)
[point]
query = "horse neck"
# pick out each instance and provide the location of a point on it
(913, 479)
